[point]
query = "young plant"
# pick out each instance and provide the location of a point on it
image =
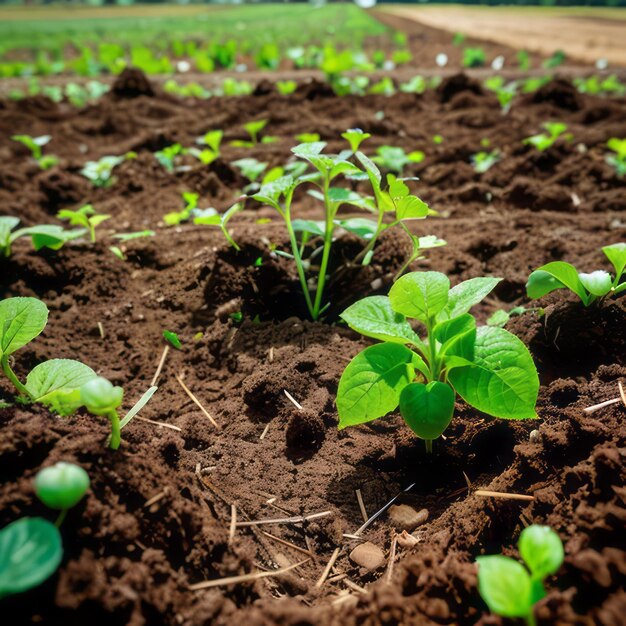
(174, 218)
(593, 287)
(286, 87)
(86, 217)
(543, 141)
(394, 159)
(100, 172)
(311, 242)
(253, 129)
(490, 368)
(505, 92)
(167, 156)
(483, 161)
(35, 145)
(61, 487)
(44, 236)
(212, 140)
(64, 385)
(511, 590)
(618, 159)
(474, 57)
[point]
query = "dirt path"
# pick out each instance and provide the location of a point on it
(581, 35)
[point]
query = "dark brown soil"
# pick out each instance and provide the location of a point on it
(128, 563)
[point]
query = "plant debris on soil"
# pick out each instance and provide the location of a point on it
(159, 516)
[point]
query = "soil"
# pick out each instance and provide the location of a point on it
(157, 517)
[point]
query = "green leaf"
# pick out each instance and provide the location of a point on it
(309, 226)
(355, 137)
(616, 254)
(597, 283)
(145, 398)
(457, 336)
(62, 485)
(371, 384)
(542, 550)
(21, 320)
(308, 150)
(7, 224)
(502, 379)
(465, 295)
(50, 236)
(55, 382)
(411, 207)
(172, 338)
(30, 552)
(359, 226)
(427, 409)
(374, 317)
(504, 585)
(420, 295)
(555, 275)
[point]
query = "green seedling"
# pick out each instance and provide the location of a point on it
(286, 87)
(60, 384)
(123, 237)
(43, 236)
(86, 217)
(558, 58)
(591, 288)
(61, 487)
(311, 242)
(384, 87)
(172, 339)
(167, 156)
(212, 140)
(174, 218)
(100, 173)
(543, 141)
(523, 60)
(35, 145)
(474, 57)
(250, 168)
(307, 137)
(394, 159)
(501, 317)
(355, 137)
(483, 161)
(505, 92)
(511, 590)
(437, 140)
(618, 158)
(30, 552)
(253, 129)
(490, 368)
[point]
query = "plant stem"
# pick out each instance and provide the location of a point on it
(6, 368)
(530, 620)
(298, 259)
(328, 240)
(60, 518)
(116, 431)
(429, 446)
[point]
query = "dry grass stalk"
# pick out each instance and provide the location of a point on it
(293, 400)
(233, 522)
(160, 365)
(392, 559)
(359, 499)
(329, 566)
(298, 519)
(502, 494)
(164, 424)
(196, 401)
(378, 513)
(284, 542)
(156, 498)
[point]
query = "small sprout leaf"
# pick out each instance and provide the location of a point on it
(370, 385)
(542, 550)
(172, 338)
(140, 404)
(21, 320)
(427, 409)
(30, 552)
(501, 380)
(465, 295)
(62, 485)
(100, 396)
(555, 275)
(504, 585)
(616, 254)
(597, 283)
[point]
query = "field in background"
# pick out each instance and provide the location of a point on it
(584, 33)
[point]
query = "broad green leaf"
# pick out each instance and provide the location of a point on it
(21, 320)
(309, 149)
(374, 317)
(465, 295)
(309, 226)
(597, 283)
(502, 379)
(359, 226)
(270, 193)
(427, 409)
(542, 550)
(411, 207)
(30, 552)
(370, 167)
(343, 167)
(370, 385)
(54, 383)
(616, 254)
(50, 236)
(7, 224)
(555, 275)
(420, 295)
(504, 585)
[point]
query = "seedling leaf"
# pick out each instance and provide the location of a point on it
(21, 320)
(552, 276)
(504, 585)
(427, 409)
(542, 550)
(465, 295)
(421, 295)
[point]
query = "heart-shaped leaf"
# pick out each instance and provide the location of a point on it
(21, 320)
(504, 585)
(420, 295)
(427, 409)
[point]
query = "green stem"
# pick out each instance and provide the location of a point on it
(372, 242)
(328, 240)
(298, 259)
(6, 368)
(429, 446)
(530, 620)
(60, 518)
(116, 431)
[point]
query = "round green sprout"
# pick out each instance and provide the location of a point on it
(101, 397)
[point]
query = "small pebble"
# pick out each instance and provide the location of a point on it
(368, 555)
(405, 517)
(406, 540)
(534, 436)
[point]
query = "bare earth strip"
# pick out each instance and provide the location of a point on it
(585, 35)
